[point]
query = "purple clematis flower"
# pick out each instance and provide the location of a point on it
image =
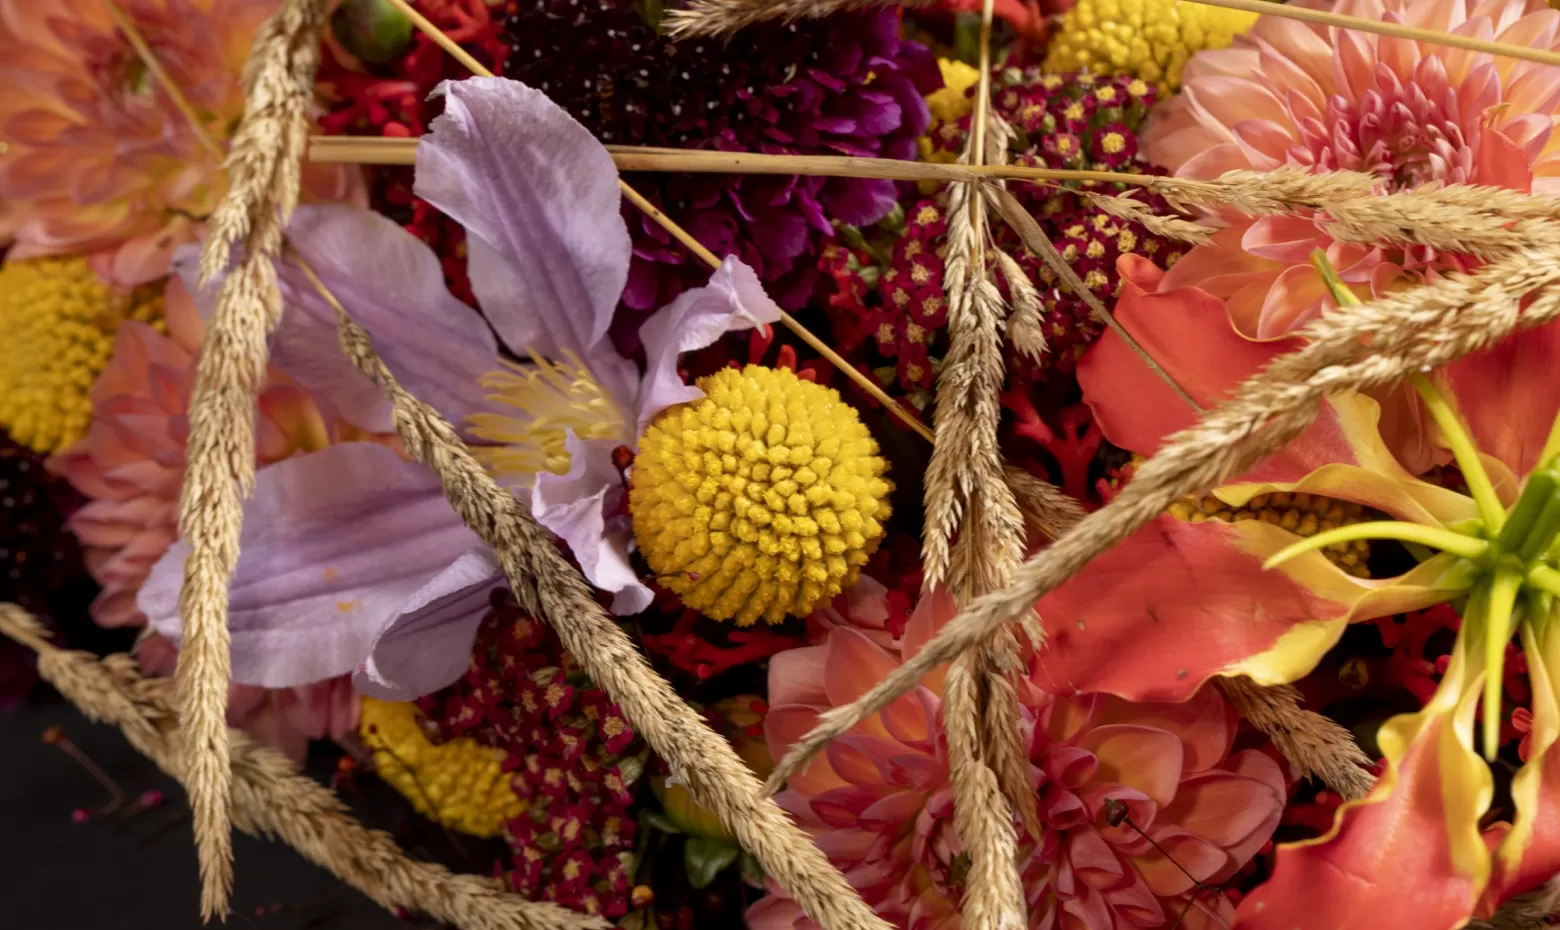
(352, 561)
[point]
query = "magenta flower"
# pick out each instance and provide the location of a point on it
(352, 559)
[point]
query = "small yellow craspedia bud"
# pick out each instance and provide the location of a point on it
(763, 499)
(59, 322)
(1150, 39)
(459, 783)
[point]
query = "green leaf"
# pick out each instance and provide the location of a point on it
(752, 872)
(660, 821)
(705, 859)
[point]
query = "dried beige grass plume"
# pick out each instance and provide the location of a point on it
(1319, 746)
(1358, 348)
(724, 18)
(263, 168)
(271, 799)
(550, 588)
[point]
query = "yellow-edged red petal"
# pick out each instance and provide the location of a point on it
(1529, 852)
(1189, 334)
(1413, 842)
(1177, 603)
(1509, 395)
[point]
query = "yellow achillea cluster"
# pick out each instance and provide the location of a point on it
(763, 499)
(1301, 514)
(459, 783)
(948, 104)
(59, 322)
(1150, 39)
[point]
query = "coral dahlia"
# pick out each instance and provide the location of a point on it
(879, 802)
(1325, 99)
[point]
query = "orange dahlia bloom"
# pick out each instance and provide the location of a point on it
(1327, 99)
(880, 804)
(94, 157)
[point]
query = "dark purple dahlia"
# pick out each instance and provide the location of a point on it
(848, 85)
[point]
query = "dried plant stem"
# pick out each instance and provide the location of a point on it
(272, 799)
(1319, 746)
(970, 505)
(1046, 508)
(724, 18)
(263, 172)
(1531, 911)
(1380, 27)
(1349, 349)
(548, 587)
(1034, 239)
(160, 76)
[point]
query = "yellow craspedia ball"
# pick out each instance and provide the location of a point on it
(763, 499)
(459, 783)
(59, 322)
(1150, 39)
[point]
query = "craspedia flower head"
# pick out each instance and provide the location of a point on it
(460, 783)
(59, 322)
(761, 500)
(1150, 39)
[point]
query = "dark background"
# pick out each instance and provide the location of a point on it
(137, 871)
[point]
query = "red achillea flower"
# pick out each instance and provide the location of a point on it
(563, 740)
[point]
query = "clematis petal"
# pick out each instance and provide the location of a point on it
(1177, 603)
(583, 509)
(391, 284)
(1418, 828)
(339, 548)
(1508, 396)
(733, 300)
(538, 196)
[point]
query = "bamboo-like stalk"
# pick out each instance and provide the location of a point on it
(1395, 30)
(381, 150)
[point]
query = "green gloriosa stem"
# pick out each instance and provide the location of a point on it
(1499, 618)
(1463, 450)
(1544, 579)
(1436, 538)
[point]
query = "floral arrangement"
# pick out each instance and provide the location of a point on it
(1085, 465)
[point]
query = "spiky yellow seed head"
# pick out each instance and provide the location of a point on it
(59, 322)
(460, 783)
(1150, 39)
(763, 499)
(1301, 514)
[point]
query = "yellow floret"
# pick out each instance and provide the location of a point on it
(952, 100)
(763, 499)
(1301, 514)
(1150, 39)
(948, 104)
(459, 783)
(59, 322)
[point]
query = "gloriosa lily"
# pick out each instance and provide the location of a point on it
(1188, 599)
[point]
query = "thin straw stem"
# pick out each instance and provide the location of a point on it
(163, 79)
(682, 235)
(1395, 30)
(384, 150)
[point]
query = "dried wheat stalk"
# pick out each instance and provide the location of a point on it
(270, 798)
(1318, 745)
(725, 18)
(1046, 509)
(969, 503)
(1350, 349)
(1531, 911)
(263, 174)
(550, 588)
